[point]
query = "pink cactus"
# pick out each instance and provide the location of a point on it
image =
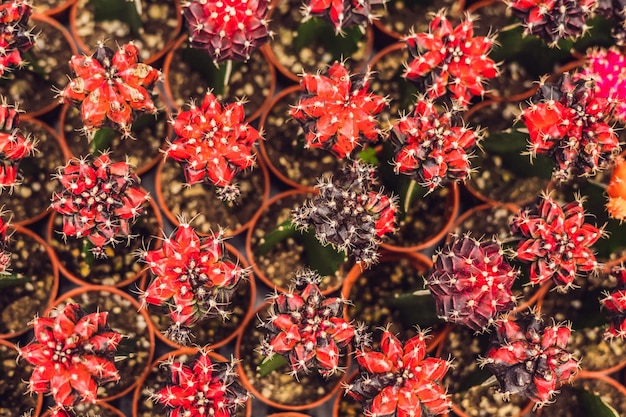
(471, 282)
(607, 69)
(15, 35)
(73, 354)
(111, 88)
(341, 13)
(193, 278)
(431, 148)
(556, 241)
(227, 29)
(99, 200)
(450, 60)
(400, 380)
(337, 111)
(214, 144)
(615, 303)
(529, 358)
(307, 328)
(14, 146)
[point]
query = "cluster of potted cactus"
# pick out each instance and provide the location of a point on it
(464, 319)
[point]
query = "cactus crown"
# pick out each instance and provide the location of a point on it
(342, 14)
(15, 35)
(14, 146)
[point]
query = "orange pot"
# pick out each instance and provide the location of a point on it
(21, 386)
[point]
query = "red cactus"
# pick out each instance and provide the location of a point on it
(15, 36)
(14, 146)
(430, 148)
(448, 59)
(307, 328)
(529, 358)
(553, 20)
(227, 29)
(203, 387)
(5, 236)
(342, 14)
(337, 112)
(556, 240)
(111, 88)
(99, 200)
(471, 282)
(214, 143)
(193, 277)
(568, 122)
(73, 354)
(615, 303)
(400, 380)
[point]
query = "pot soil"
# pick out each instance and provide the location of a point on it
(120, 267)
(93, 410)
(487, 401)
(201, 203)
(52, 7)
(161, 22)
(19, 304)
(125, 317)
(30, 200)
(14, 400)
(283, 147)
(190, 72)
(32, 87)
(486, 221)
(400, 16)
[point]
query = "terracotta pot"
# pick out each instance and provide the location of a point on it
(279, 16)
(55, 11)
(230, 327)
(140, 342)
(100, 409)
(16, 383)
(288, 262)
(79, 25)
(281, 151)
(199, 201)
(29, 202)
(256, 100)
(19, 302)
(68, 253)
(311, 381)
(141, 399)
(26, 88)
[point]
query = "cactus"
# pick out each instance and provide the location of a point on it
(14, 146)
(341, 13)
(615, 304)
(15, 35)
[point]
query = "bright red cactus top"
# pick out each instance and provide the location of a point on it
(471, 282)
(615, 303)
(99, 200)
(450, 59)
(307, 328)
(203, 387)
(337, 111)
(214, 143)
(227, 29)
(15, 35)
(553, 20)
(431, 148)
(14, 146)
(556, 241)
(193, 278)
(568, 122)
(529, 358)
(111, 88)
(73, 354)
(400, 380)
(616, 191)
(607, 69)
(5, 236)
(341, 13)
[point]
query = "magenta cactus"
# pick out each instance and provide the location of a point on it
(529, 358)
(202, 387)
(307, 328)
(431, 147)
(400, 380)
(450, 60)
(111, 88)
(227, 29)
(99, 200)
(73, 354)
(337, 111)
(607, 69)
(471, 282)
(15, 35)
(342, 14)
(14, 146)
(193, 277)
(615, 304)
(569, 123)
(556, 241)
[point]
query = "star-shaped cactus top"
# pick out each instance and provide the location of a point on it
(337, 111)
(111, 88)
